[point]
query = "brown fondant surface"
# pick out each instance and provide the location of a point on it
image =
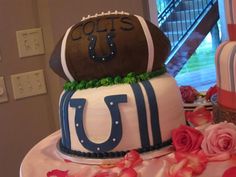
(131, 48)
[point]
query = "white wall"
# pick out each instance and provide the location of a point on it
(24, 122)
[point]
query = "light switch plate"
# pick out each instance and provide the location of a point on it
(30, 42)
(3, 91)
(28, 84)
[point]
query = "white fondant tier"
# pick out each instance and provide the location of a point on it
(226, 74)
(227, 11)
(230, 11)
(131, 106)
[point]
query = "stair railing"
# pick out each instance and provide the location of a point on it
(177, 28)
(165, 8)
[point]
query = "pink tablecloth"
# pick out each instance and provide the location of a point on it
(44, 158)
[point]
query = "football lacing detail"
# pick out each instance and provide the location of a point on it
(105, 13)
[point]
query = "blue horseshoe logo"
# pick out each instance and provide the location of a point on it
(92, 46)
(116, 129)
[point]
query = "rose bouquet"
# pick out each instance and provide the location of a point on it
(194, 148)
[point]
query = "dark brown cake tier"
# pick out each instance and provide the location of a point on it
(221, 114)
(109, 45)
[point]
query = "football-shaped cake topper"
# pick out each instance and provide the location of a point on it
(107, 45)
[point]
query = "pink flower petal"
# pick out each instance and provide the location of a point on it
(196, 160)
(57, 173)
(131, 159)
(67, 161)
(128, 172)
(121, 164)
(230, 172)
(185, 172)
(132, 156)
(105, 174)
(220, 157)
(177, 167)
(199, 116)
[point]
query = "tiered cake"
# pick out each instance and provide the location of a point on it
(119, 109)
(118, 96)
(225, 101)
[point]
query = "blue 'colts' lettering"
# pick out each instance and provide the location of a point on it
(116, 129)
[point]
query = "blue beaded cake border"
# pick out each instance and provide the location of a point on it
(104, 155)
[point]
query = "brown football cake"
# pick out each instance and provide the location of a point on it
(109, 45)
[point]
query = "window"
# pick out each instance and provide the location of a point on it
(199, 71)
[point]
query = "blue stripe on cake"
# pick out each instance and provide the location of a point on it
(142, 116)
(156, 132)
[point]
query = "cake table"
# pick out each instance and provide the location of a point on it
(44, 157)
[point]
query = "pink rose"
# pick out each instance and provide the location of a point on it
(219, 141)
(186, 139)
(189, 94)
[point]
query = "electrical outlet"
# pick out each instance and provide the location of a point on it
(3, 91)
(30, 42)
(28, 84)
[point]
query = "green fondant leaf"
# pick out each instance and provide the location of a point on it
(131, 74)
(73, 85)
(143, 77)
(67, 86)
(91, 84)
(98, 84)
(81, 85)
(130, 78)
(117, 80)
(106, 81)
